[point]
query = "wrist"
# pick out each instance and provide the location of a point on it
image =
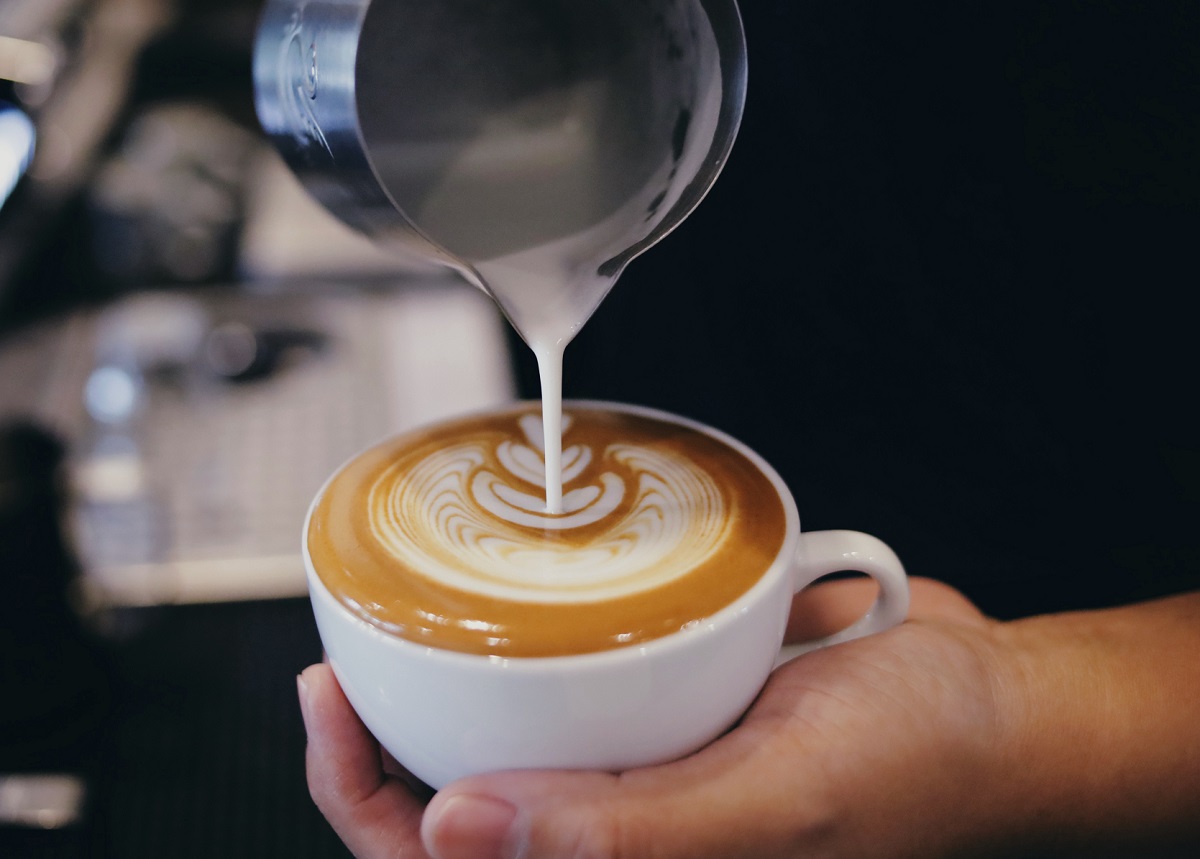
(1099, 741)
(1047, 727)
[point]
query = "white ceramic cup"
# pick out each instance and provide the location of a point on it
(445, 715)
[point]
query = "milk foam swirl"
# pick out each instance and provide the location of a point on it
(472, 516)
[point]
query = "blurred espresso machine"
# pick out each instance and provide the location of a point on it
(234, 341)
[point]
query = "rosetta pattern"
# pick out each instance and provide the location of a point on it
(646, 518)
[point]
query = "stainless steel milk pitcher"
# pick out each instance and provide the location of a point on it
(464, 130)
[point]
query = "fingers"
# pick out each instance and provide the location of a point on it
(738, 797)
(827, 607)
(375, 815)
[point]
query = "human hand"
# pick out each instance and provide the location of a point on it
(876, 747)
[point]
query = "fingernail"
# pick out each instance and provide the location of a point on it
(471, 827)
(302, 691)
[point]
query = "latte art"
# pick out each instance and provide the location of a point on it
(651, 516)
(444, 537)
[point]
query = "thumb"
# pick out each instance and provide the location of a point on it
(734, 798)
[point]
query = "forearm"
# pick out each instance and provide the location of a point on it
(1104, 715)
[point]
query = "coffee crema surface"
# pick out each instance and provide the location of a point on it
(442, 536)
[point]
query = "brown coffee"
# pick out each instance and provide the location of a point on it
(441, 536)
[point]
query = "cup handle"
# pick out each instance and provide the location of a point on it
(823, 552)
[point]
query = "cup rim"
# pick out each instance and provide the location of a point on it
(782, 564)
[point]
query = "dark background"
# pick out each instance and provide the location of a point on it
(942, 285)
